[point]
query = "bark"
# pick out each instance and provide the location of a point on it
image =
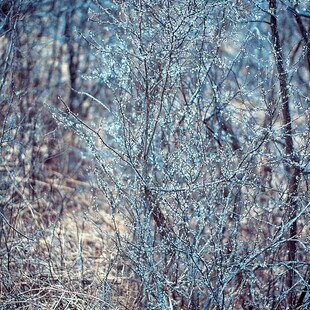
(304, 33)
(291, 163)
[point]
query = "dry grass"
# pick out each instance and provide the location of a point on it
(57, 244)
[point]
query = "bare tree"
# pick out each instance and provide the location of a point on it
(193, 117)
(42, 186)
(202, 156)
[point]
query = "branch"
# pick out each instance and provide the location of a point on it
(303, 31)
(102, 141)
(299, 13)
(17, 231)
(91, 97)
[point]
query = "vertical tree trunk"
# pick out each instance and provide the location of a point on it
(290, 160)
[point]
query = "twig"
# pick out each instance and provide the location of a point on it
(17, 231)
(102, 141)
(91, 97)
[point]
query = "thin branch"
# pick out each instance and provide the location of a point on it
(92, 97)
(17, 231)
(101, 139)
(299, 13)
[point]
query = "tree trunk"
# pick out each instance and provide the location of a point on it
(291, 163)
